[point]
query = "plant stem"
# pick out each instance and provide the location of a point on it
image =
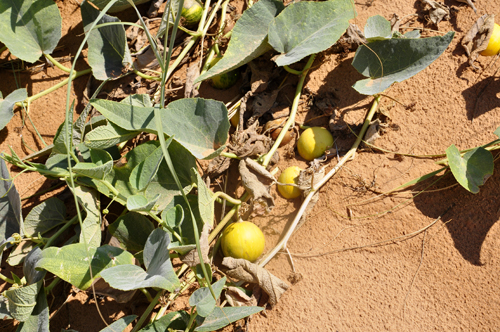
(228, 198)
(54, 87)
(164, 224)
(229, 155)
(146, 293)
(60, 231)
(4, 278)
(350, 154)
(54, 282)
(293, 112)
(146, 313)
(57, 63)
(147, 77)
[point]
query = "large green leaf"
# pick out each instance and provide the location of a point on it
(108, 52)
(205, 199)
(71, 263)
(203, 300)
(45, 216)
(159, 271)
(91, 227)
(200, 125)
(144, 173)
(101, 165)
(221, 317)
(132, 231)
(30, 27)
(141, 203)
(308, 27)
(473, 169)
(119, 325)
(7, 105)
(11, 218)
(395, 60)
(39, 318)
(248, 39)
(106, 136)
(22, 301)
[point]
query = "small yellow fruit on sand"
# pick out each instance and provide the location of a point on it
(494, 43)
(243, 239)
(289, 175)
(314, 142)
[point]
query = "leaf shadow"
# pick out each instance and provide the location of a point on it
(470, 217)
(482, 97)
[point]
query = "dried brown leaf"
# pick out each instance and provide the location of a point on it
(477, 38)
(191, 258)
(238, 298)
(437, 11)
(243, 270)
(192, 73)
(262, 200)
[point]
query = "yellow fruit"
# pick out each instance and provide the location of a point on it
(494, 43)
(314, 142)
(243, 240)
(289, 175)
(274, 127)
(235, 120)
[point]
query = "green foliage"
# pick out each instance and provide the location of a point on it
(473, 169)
(108, 51)
(119, 325)
(11, 218)
(7, 105)
(30, 28)
(308, 27)
(132, 231)
(249, 39)
(221, 317)
(159, 271)
(386, 61)
(203, 299)
(45, 216)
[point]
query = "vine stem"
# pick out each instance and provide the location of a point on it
(150, 308)
(349, 156)
(293, 112)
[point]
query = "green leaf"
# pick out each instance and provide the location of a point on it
(249, 38)
(30, 27)
(11, 218)
(176, 320)
(308, 27)
(101, 165)
(497, 132)
(71, 264)
(143, 174)
(60, 138)
(159, 271)
(108, 53)
(199, 125)
(203, 299)
(401, 59)
(221, 317)
(29, 267)
(106, 136)
(19, 253)
(8, 104)
(39, 319)
(186, 228)
(473, 169)
(377, 28)
(119, 325)
(132, 231)
(141, 203)
(22, 301)
(4, 311)
(45, 216)
(91, 227)
(173, 216)
(205, 199)
(119, 6)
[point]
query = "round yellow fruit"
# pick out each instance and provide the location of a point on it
(235, 120)
(243, 239)
(314, 142)
(494, 43)
(289, 175)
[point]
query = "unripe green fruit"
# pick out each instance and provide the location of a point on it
(192, 12)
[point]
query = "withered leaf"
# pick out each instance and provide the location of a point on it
(243, 270)
(259, 192)
(236, 297)
(191, 258)
(470, 3)
(438, 11)
(192, 73)
(477, 38)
